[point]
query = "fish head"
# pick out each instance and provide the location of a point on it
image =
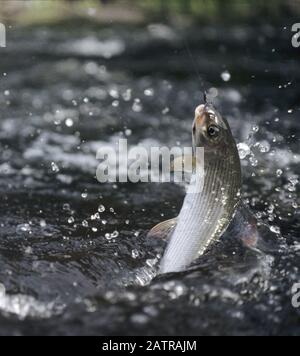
(210, 129)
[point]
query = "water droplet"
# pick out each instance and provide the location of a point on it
(127, 95)
(293, 180)
(226, 76)
(212, 93)
(244, 150)
(264, 147)
(271, 208)
(54, 167)
(85, 223)
(43, 223)
(275, 229)
(95, 216)
(253, 161)
(66, 206)
(107, 236)
(139, 319)
(291, 187)
(28, 250)
(114, 93)
(23, 228)
(84, 195)
(165, 111)
(137, 106)
(255, 128)
(149, 92)
(135, 253)
(101, 208)
(279, 173)
(115, 234)
(69, 122)
(71, 220)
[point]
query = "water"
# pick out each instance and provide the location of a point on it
(74, 257)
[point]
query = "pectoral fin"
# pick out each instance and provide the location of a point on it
(244, 227)
(163, 230)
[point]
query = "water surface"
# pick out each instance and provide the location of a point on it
(74, 257)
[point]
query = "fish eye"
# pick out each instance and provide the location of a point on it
(213, 131)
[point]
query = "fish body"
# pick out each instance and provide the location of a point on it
(206, 212)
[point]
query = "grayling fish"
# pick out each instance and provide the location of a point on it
(205, 215)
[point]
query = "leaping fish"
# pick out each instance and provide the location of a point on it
(205, 215)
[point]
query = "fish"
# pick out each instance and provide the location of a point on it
(206, 213)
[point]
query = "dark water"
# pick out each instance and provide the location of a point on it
(64, 269)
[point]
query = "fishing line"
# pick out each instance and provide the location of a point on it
(188, 49)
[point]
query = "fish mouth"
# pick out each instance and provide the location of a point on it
(205, 114)
(200, 115)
